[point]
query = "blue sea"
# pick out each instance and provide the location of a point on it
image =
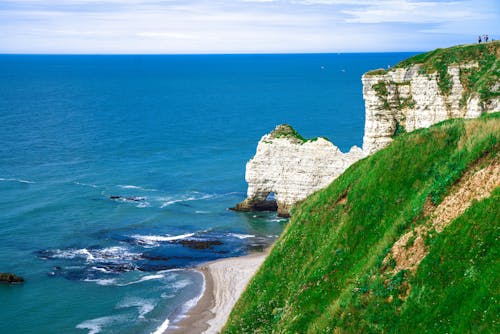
(117, 172)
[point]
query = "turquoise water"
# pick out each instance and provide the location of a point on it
(168, 135)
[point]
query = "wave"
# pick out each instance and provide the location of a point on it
(277, 220)
(192, 302)
(143, 205)
(192, 196)
(95, 325)
(130, 186)
(180, 284)
(16, 180)
(241, 236)
(86, 184)
(144, 306)
(103, 281)
(154, 240)
(162, 328)
(143, 279)
(94, 255)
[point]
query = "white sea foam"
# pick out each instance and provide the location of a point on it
(16, 180)
(201, 212)
(143, 205)
(96, 255)
(104, 281)
(162, 328)
(180, 284)
(73, 253)
(241, 236)
(192, 302)
(95, 325)
(154, 240)
(87, 184)
(102, 270)
(144, 306)
(193, 196)
(130, 186)
(277, 220)
(143, 279)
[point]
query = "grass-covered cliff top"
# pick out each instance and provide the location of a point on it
(482, 77)
(287, 131)
(336, 267)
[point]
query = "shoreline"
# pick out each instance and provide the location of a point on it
(224, 282)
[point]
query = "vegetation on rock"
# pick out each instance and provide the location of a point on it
(480, 79)
(287, 131)
(330, 271)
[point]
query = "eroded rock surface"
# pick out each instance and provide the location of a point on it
(292, 168)
(406, 98)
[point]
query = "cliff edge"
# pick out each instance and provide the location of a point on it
(457, 82)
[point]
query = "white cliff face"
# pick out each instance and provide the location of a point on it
(404, 97)
(292, 169)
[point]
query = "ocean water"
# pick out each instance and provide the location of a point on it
(168, 138)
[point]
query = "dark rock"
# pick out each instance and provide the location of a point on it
(153, 257)
(199, 244)
(10, 278)
(246, 206)
(132, 198)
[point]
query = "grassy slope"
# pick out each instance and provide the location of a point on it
(325, 273)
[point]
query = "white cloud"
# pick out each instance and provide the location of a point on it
(221, 26)
(414, 12)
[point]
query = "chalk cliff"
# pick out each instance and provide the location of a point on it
(463, 81)
(292, 168)
(405, 99)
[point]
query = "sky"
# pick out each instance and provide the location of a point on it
(241, 26)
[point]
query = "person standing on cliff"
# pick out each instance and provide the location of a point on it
(479, 39)
(486, 38)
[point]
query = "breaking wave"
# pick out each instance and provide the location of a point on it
(130, 186)
(95, 326)
(155, 240)
(144, 306)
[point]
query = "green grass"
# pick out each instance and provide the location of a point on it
(379, 71)
(480, 79)
(287, 131)
(325, 273)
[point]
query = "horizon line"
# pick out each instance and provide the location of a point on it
(203, 54)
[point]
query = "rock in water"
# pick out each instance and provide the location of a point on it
(292, 168)
(10, 278)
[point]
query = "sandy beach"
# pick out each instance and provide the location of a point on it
(225, 281)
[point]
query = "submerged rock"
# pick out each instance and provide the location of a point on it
(199, 244)
(10, 278)
(132, 198)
